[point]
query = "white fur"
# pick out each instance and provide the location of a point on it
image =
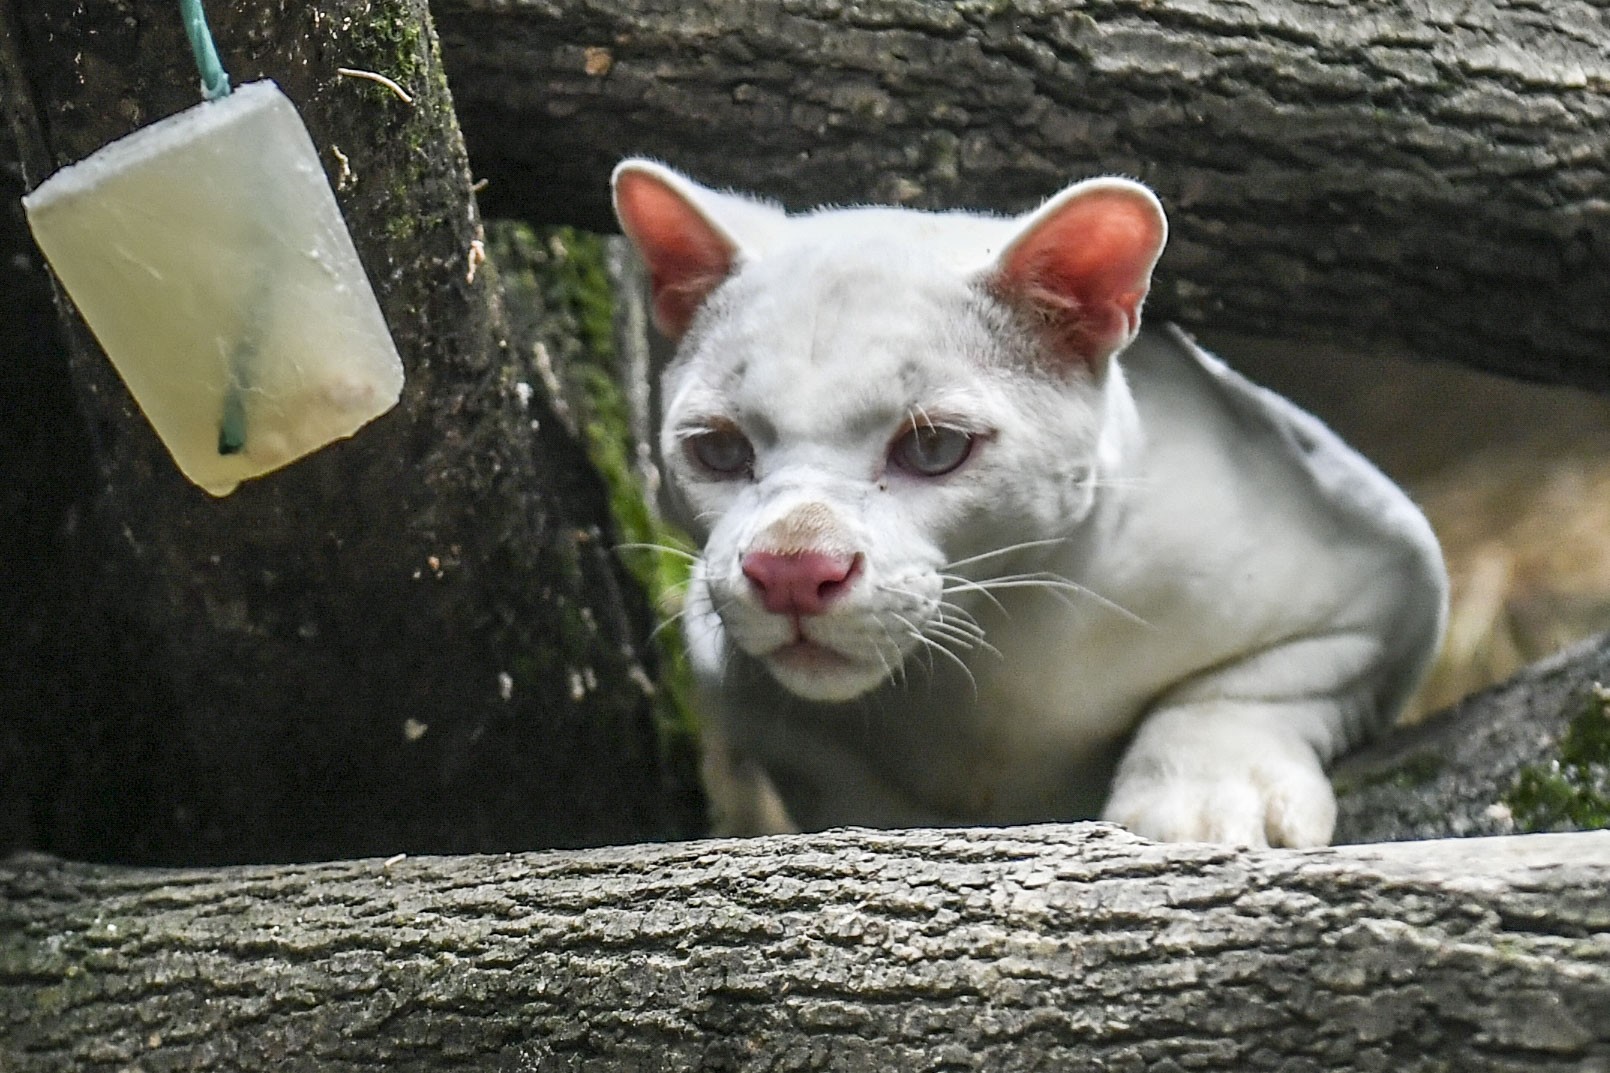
(1255, 596)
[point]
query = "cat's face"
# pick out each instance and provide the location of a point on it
(857, 419)
(842, 434)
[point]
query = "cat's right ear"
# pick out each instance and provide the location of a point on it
(672, 221)
(1079, 267)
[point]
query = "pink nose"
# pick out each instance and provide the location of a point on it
(803, 583)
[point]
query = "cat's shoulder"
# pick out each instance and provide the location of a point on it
(1253, 421)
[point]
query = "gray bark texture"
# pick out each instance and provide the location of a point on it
(417, 639)
(1423, 177)
(1529, 754)
(1041, 948)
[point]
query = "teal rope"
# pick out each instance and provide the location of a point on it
(215, 85)
(232, 426)
(214, 80)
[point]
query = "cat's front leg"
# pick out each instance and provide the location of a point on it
(1246, 772)
(743, 799)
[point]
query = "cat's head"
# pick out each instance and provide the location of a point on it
(866, 403)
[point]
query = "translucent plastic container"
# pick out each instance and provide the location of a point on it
(208, 255)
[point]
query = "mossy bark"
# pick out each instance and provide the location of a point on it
(418, 639)
(1529, 754)
(1425, 177)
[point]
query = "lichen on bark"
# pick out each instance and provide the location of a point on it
(1054, 947)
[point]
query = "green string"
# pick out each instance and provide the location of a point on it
(214, 81)
(215, 85)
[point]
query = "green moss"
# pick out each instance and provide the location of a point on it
(1418, 770)
(558, 291)
(388, 38)
(1572, 791)
(604, 419)
(402, 227)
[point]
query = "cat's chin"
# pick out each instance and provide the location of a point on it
(816, 672)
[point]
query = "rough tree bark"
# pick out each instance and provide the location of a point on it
(1033, 948)
(1529, 754)
(416, 639)
(1425, 176)
(52, 628)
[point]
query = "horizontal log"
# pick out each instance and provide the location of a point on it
(1424, 177)
(1057, 947)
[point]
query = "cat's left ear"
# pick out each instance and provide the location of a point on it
(691, 237)
(1080, 266)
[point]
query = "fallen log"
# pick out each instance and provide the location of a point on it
(1423, 178)
(1057, 947)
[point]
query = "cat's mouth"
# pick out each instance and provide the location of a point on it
(820, 672)
(803, 654)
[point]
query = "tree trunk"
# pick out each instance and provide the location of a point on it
(1422, 177)
(1033, 948)
(415, 639)
(52, 628)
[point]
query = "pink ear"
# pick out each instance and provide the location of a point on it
(687, 255)
(1081, 267)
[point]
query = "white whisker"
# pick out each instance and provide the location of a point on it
(971, 631)
(667, 622)
(935, 646)
(911, 594)
(957, 583)
(915, 634)
(927, 646)
(1052, 583)
(951, 607)
(997, 552)
(898, 672)
(968, 642)
(669, 549)
(953, 621)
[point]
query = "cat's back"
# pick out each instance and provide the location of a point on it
(1184, 389)
(1299, 515)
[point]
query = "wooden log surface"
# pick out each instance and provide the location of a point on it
(1423, 177)
(1057, 947)
(1529, 754)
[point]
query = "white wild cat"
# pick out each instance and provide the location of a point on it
(975, 550)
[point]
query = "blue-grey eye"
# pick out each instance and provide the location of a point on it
(723, 451)
(931, 450)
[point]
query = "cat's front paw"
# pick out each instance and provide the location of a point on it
(1266, 794)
